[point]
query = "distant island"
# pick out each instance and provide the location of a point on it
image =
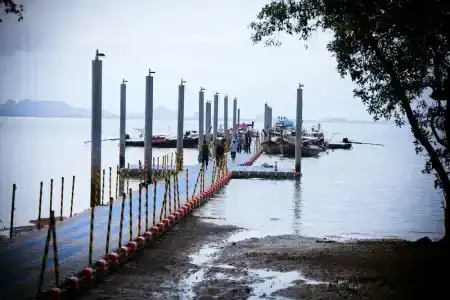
(59, 109)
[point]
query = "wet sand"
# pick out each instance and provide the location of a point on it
(197, 260)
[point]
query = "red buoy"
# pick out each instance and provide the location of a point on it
(148, 236)
(140, 240)
(87, 274)
(113, 258)
(102, 266)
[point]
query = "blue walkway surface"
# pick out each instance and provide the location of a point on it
(21, 257)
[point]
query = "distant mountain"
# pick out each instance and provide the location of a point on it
(159, 113)
(45, 109)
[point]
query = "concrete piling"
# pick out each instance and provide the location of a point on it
(216, 115)
(234, 118)
(201, 116)
(298, 129)
(180, 132)
(96, 126)
(148, 129)
(123, 116)
(208, 121)
(225, 117)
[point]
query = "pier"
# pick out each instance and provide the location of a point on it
(66, 256)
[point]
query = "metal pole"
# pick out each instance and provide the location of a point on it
(225, 117)
(298, 129)
(239, 116)
(148, 130)
(234, 117)
(123, 116)
(96, 126)
(208, 121)
(201, 116)
(269, 121)
(216, 115)
(13, 207)
(266, 111)
(180, 131)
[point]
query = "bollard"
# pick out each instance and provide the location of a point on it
(72, 197)
(117, 180)
(103, 186)
(164, 202)
(91, 233)
(178, 193)
(108, 232)
(146, 207)
(51, 232)
(110, 185)
(157, 165)
(62, 199)
(174, 192)
(131, 214)
(127, 174)
(40, 205)
(51, 194)
(187, 185)
(140, 170)
(139, 209)
(169, 195)
(122, 212)
(13, 204)
(154, 202)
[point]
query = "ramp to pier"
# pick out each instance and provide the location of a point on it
(21, 257)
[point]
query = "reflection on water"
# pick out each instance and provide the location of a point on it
(369, 191)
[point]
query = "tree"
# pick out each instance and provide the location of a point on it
(398, 54)
(11, 7)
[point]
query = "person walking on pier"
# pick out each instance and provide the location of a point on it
(205, 155)
(233, 150)
(239, 143)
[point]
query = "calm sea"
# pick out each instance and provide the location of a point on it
(368, 191)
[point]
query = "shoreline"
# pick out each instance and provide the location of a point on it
(202, 260)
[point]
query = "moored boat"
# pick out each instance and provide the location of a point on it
(190, 140)
(271, 145)
(287, 148)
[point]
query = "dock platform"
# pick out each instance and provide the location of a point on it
(21, 257)
(262, 172)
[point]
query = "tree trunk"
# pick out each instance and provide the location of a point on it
(446, 239)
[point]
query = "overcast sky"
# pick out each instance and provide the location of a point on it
(207, 43)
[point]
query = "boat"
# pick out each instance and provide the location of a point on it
(315, 136)
(271, 145)
(283, 126)
(287, 148)
(190, 140)
(333, 145)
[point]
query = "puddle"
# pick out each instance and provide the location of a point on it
(273, 281)
(265, 282)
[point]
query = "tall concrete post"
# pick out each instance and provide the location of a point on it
(239, 116)
(148, 127)
(266, 111)
(269, 119)
(216, 115)
(225, 117)
(180, 130)
(96, 129)
(234, 118)
(201, 116)
(123, 117)
(298, 129)
(208, 121)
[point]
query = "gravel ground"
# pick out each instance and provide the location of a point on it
(280, 267)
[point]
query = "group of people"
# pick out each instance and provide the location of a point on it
(205, 153)
(242, 142)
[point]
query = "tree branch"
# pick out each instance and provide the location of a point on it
(434, 158)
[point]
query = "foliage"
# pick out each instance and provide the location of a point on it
(11, 7)
(396, 51)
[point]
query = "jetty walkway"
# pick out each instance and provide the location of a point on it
(21, 257)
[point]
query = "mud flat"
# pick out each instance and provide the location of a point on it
(291, 267)
(155, 273)
(201, 260)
